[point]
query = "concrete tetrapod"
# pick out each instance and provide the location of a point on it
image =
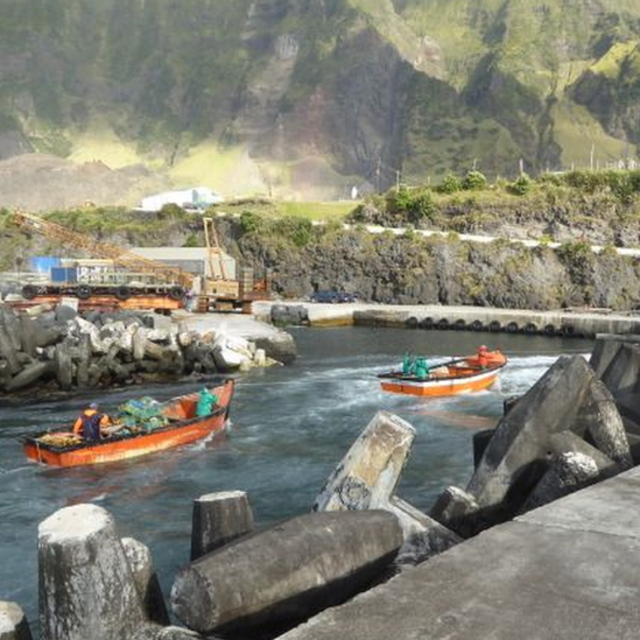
(567, 410)
(219, 518)
(287, 573)
(567, 473)
(522, 440)
(368, 474)
(13, 622)
(367, 477)
(146, 580)
(86, 587)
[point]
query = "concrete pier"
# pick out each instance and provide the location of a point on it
(568, 570)
(568, 323)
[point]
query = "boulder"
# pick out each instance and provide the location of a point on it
(622, 373)
(457, 510)
(146, 580)
(156, 632)
(280, 346)
(11, 323)
(29, 335)
(568, 473)
(565, 404)
(605, 349)
(287, 573)
(64, 313)
(64, 367)
(219, 518)
(13, 622)
(423, 536)
(29, 375)
(8, 351)
(481, 440)
(599, 421)
(367, 476)
(87, 589)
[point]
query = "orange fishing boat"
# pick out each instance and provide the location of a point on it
(183, 426)
(460, 375)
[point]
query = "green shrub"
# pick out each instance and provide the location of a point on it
(521, 186)
(249, 222)
(413, 205)
(192, 241)
(297, 230)
(474, 181)
(451, 184)
(578, 257)
(171, 211)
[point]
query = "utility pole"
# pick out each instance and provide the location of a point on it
(397, 180)
(378, 166)
(593, 151)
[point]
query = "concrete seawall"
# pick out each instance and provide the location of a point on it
(569, 323)
(568, 570)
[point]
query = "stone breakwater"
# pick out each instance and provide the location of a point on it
(576, 426)
(62, 351)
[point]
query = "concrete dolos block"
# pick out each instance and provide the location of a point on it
(219, 518)
(567, 405)
(13, 622)
(286, 573)
(367, 476)
(146, 580)
(568, 473)
(86, 587)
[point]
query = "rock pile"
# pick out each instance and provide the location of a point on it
(563, 435)
(61, 350)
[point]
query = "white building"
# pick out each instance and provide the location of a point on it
(194, 198)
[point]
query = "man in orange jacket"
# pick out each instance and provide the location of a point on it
(483, 358)
(90, 423)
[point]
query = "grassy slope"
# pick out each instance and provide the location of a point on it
(190, 65)
(539, 44)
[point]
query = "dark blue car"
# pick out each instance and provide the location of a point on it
(333, 296)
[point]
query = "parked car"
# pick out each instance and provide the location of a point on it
(333, 296)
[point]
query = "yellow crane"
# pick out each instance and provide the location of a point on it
(217, 291)
(175, 281)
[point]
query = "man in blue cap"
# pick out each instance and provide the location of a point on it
(90, 423)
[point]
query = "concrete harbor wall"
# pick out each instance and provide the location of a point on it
(568, 570)
(569, 323)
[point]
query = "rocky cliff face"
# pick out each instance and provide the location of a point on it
(414, 270)
(315, 96)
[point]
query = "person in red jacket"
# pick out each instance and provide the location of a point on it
(482, 356)
(90, 423)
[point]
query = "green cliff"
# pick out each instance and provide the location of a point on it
(312, 97)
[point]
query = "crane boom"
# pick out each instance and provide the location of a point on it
(120, 257)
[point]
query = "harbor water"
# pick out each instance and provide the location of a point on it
(289, 427)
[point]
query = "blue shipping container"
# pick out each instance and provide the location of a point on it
(64, 274)
(43, 264)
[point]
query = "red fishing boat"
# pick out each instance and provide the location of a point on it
(460, 375)
(181, 426)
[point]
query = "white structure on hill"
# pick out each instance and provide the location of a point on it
(194, 198)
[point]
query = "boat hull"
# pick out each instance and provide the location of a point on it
(440, 387)
(462, 375)
(111, 450)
